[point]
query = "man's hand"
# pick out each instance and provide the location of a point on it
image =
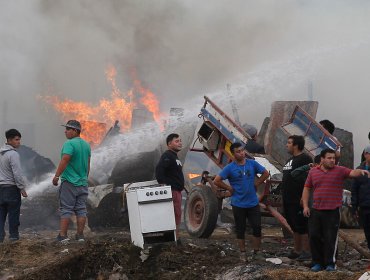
(358, 173)
(24, 193)
(219, 183)
(366, 173)
(306, 212)
(55, 181)
(231, 190)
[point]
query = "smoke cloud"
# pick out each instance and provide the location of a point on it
(181, 50)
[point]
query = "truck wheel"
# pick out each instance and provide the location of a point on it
(201, 210)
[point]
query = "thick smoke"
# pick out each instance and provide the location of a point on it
(267, 50)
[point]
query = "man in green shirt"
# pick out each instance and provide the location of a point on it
(73, 170)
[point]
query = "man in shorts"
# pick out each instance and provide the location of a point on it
(292, 192)
(73, 170)
(241, 174)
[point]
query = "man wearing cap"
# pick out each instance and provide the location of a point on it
(252, 146)
(73, 170)
(361, 196)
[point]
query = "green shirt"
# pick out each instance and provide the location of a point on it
(77, 168)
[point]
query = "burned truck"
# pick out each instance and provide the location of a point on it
(215, 135)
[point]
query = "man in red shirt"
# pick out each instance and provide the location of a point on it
(326, 181)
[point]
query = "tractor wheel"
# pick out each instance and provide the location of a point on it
(201, 211)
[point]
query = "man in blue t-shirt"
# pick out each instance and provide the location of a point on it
(241, 174)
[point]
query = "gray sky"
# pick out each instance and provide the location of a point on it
(267, 50)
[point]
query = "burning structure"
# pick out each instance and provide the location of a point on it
(136, 117)
(138, 103)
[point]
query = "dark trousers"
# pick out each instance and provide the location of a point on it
(254, 218)
(293, 213)
(323, 228)
(10, 205)
(365, 220)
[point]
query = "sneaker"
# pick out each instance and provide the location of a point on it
(13, 239)
(62, 239)
(243, 256)
(304, 256)
(293, 255)
(258, 256)
(316, 268)
(80, 237)
(330, 267)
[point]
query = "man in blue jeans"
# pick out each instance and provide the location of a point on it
(12, 185)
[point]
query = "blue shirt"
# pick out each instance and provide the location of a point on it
(241, 179)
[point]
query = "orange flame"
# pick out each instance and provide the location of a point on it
(95, 119)
(193, 175)
(149, 100)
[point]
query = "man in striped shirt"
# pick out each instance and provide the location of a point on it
(326, 181)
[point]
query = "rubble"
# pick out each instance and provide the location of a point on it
(110, 255)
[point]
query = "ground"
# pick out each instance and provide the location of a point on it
(110, 255)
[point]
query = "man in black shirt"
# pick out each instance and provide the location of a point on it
(292, 193)
(169, 172)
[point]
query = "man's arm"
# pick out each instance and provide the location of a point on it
(301, 171)
(61, 167)
(358, 172)
(305, 197)
(220, 183)
(19, 179)
(306, 194)
(15, 165)
(160, 169)
(262, 178)
(88, 167)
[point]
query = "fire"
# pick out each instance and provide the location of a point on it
(193, 175)
(148, 99)
(95, 119)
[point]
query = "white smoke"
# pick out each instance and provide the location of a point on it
(267, 50)
(146, 138)
(39, 188)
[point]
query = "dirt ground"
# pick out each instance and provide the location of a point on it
(110, 255)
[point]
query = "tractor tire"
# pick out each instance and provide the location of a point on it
(201, 211)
